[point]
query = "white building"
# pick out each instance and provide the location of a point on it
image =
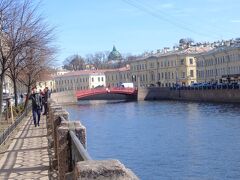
(80, 80)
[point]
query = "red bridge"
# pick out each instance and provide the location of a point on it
(90, 92)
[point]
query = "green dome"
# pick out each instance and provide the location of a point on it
(114, 55)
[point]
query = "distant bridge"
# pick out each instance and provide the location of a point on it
(91, 92)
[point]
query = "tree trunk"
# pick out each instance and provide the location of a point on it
(27, 97)
(15, 92)
(1, 96)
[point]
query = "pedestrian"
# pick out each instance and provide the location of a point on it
(46, 96)
(42, 95)
(21, 98)
(36, 106)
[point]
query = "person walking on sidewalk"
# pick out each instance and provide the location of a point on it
(36, 106)
(46, 96)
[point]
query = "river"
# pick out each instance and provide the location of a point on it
(164, 139)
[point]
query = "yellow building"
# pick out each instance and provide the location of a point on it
(115, 77)
(221, 64)
(167, 69)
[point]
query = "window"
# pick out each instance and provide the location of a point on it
(191, 73)
(152, 77)
(191, 61)
(102, 78)
(98, 79)
(183, 74)
(182, 61)
(92, 79)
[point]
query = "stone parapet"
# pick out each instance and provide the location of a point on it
(63, 151)
(66, 156)
(56, 121)
(103, 170)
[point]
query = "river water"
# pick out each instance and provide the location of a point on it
(164, 139)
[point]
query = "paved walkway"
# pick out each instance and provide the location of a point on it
(27, 157)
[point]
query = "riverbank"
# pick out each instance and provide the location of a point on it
(202, 95)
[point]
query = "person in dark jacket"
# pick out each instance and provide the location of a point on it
(36, 106)
(45, 103)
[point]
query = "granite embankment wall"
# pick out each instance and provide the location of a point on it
(68, 154)
(207, 95)
(65, 97)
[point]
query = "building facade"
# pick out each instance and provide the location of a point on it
(219, 65)
(115, 77)
(167, 69)
(80, 80)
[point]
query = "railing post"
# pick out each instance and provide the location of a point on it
(63, 150)
(50, 117)
(80, 132)
(56, 121)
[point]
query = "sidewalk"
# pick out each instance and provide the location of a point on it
(27, 157)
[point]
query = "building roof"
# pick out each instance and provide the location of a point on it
(85, 72)
(114, 55)
(122, 69)
(193, 50)
(82, 72)
(222, 49)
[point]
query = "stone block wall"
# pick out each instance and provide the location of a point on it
(63, 160)
(207, 95)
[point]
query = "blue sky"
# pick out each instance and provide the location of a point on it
(136, 26)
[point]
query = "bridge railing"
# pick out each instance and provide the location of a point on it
(106, 90)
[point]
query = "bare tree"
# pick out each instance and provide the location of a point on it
(74, 63)
(24, 29)
(35, 64)
(98, 60)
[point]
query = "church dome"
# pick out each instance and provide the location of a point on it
(114, 55)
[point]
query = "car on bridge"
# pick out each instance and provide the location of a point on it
(127, 85)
